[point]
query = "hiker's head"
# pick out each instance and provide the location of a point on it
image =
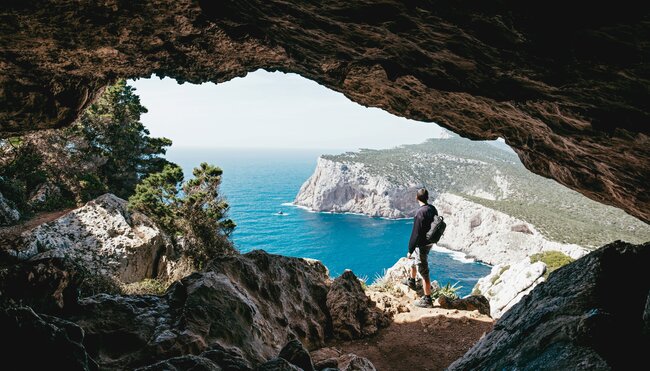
(422, 195)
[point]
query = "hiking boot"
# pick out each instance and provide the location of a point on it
(424, 302)
(410, 282)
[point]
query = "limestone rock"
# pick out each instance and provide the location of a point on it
(297, 355)
(350, 188)
(8, 212)
(333, 358)
(470, 303)
(103, 236)
(570, 100)
(508, 283)
(254, 302)
(588, 315)
(42, 194)
(41, 342)
(352, 362)
(353, 313)
(216, 358)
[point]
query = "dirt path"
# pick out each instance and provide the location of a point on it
(424, 339)
(418, 338)
(9, 235)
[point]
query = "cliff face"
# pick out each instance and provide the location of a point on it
(486, 234)
(570, 99)
(348, 188)
(591, 314)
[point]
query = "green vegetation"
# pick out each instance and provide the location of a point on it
(448, 290)
(553, 260)
(501, 271)
(191, 210)
(147, 286)
(107, 150)
(492, 177)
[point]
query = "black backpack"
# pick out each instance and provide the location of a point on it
(438, 226)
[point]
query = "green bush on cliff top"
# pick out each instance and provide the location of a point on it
(553, 260)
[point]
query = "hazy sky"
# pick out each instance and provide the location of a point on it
(270, 110)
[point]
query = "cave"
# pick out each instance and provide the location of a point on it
(568, 88)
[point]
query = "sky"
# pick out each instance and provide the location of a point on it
(270, 110)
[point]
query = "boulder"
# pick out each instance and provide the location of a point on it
(470, 303)
(297, 355)
(8, 212)
(353, 314)
(103, 236)
(508, 283)
(216, 358)
(334, 359)
(588, 315)
(255, 302)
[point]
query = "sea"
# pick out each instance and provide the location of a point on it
(260, 186)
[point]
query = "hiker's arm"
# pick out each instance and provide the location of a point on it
(417, 225)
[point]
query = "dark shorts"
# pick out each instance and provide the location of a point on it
(421, 259)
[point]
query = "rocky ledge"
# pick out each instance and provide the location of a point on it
(591, 314)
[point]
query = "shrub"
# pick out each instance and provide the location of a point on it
(553, 260)
(147, 286)
(448, 290)
(192, 209)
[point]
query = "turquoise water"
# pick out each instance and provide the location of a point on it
(259, 183)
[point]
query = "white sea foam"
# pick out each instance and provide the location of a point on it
(456, 255)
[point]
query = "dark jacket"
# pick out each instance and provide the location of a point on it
(421, 225)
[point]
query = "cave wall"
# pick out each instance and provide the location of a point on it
(567, 87)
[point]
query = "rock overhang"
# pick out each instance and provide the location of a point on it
(567, 89)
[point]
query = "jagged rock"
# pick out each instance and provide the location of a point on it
(334, 359)
(297, 355)
(42, 194)
(47, 285)
(104, 237)
(277, 364)
(254, 302)
(508, 283)
(353, 313)
(470, 303)
(570, 100)
(217, 358)
(41, 342)
(326, 358)
(189, 362)
(588, 315)
(8, 212)
(352, 362)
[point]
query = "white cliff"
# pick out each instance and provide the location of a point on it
(349, 188)
(476, 230)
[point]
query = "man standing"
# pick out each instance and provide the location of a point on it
(418, 250)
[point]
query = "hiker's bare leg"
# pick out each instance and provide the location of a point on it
(414, 272)
(427, 285)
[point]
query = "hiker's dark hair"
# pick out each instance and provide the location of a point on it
(423, 195)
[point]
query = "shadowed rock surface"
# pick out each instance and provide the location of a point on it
(41, 342)
(353, 313)
(254, 302)
(470, 303)
(571, 99)
(588, 315)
